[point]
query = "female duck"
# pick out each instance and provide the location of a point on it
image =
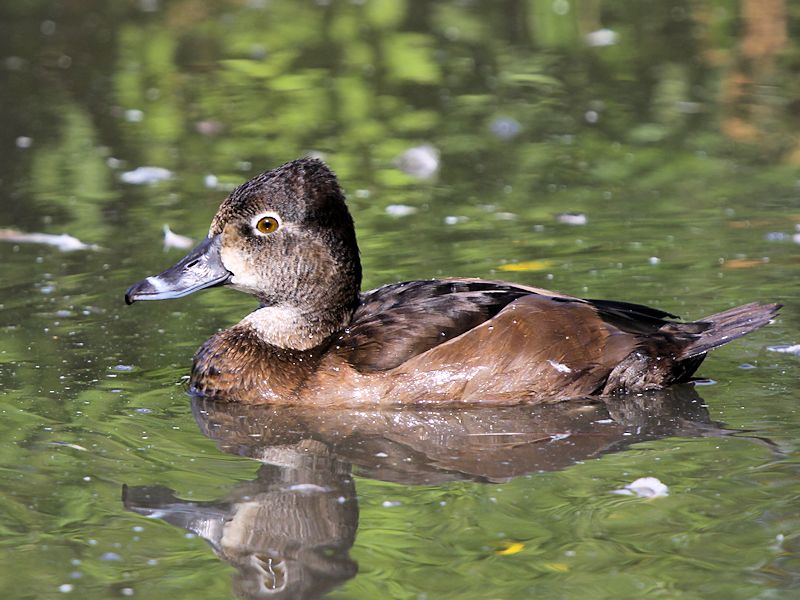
(287, 238)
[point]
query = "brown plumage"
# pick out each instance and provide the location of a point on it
(287, 238)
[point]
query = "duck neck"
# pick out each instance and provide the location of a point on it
(290, 328)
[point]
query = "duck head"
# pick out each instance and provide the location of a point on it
(285, 237)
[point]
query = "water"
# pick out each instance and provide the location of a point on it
(676, 144)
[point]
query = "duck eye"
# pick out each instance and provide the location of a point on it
(267, 224)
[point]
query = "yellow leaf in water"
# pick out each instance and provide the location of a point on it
(510, 548)
(744, 263)
(530, 265)
(558, 567)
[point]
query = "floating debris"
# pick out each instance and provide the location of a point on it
(644, 487)
(572, 218)
(64, 242)
(509, 548)
(530, 265)
(744, 263)
(400, 210)
(601, 37)
(24, 142)
(68, 445)
(146, 175)
(175, 240)
(455, 219)
(420, 161)
(390, 504)
(786, 349)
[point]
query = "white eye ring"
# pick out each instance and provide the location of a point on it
(260, 217)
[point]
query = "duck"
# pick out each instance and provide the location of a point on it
(287, 238)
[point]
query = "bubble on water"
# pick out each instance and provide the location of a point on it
(561, 7)
(420, 161)
(505, 128)
(110, 556)
(134, 115)
(211, 181)
(15, 63)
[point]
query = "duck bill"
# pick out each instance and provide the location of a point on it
(201, 268)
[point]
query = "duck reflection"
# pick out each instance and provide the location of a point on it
(289, 532)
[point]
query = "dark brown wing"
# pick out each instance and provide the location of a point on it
(399, 321)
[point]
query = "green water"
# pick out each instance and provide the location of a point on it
(678, 143)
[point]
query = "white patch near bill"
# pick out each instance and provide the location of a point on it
(158, 285)
(283, 326)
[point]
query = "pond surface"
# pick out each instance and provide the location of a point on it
(635, 150)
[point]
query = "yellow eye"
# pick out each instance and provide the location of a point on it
(267, 224)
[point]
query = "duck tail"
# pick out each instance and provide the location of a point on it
(729, 325)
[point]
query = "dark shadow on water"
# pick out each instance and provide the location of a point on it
(288, 533)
